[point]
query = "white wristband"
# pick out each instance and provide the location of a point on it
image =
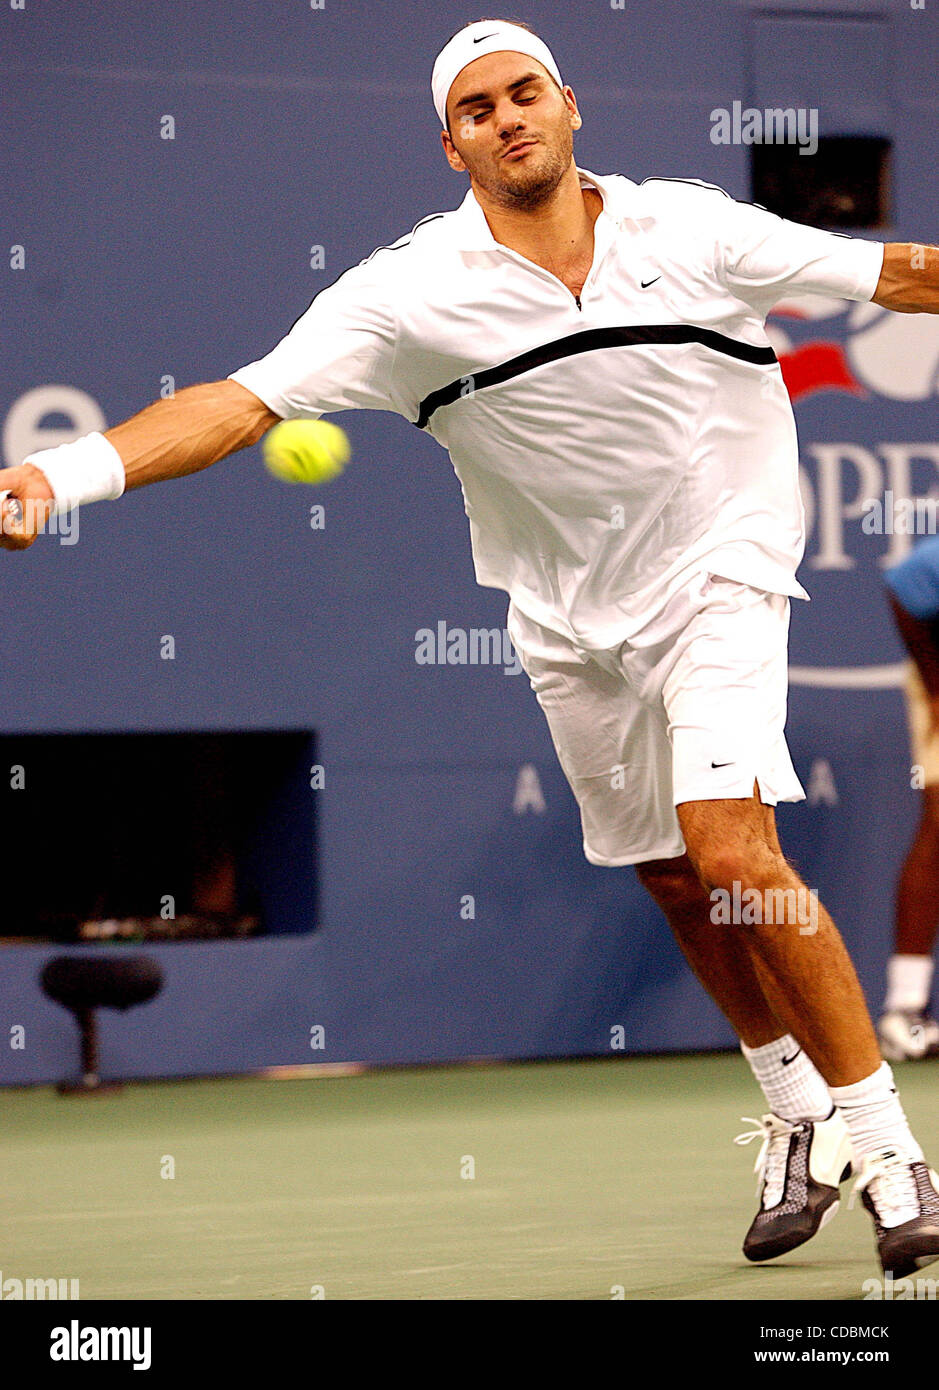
(88, 470)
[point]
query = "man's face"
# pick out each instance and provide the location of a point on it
(511, 128)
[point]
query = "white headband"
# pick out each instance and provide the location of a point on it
(477, 40)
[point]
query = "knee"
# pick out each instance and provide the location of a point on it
(750, 865)
(673, 883)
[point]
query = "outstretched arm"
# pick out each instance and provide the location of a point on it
(909, 280)
(169, 439)
(193, 429)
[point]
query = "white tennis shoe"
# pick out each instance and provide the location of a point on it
(799, 1168)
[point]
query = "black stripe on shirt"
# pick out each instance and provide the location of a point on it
(592, 340)
(700, 183)
(696, 183)
(406, 239)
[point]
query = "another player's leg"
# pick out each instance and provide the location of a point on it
(805, 1150)
(906, 1028)
(806, 972)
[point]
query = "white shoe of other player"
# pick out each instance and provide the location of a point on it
(902, 1195)
(800, 1167)
(907, 1035)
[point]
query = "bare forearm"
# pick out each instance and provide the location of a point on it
(909, 280)
(189, 431)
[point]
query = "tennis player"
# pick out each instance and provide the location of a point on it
(591, 352)
(906, 1028)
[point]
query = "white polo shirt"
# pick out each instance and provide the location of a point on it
(605, 445)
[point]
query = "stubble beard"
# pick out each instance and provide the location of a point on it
(529, 189)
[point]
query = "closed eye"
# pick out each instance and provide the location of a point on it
(487, 110)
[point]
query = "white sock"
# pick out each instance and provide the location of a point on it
(909, 983)
(794, 1090)
(872, 1111)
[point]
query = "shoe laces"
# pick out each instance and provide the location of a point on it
(773, 1155)
(896, 1196)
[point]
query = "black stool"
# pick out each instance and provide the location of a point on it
(84, 984)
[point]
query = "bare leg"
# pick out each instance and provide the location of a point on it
(809, 978)
(917, 905)
(718, 955)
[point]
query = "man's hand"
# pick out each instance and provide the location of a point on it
(169, 439)
(29, 488)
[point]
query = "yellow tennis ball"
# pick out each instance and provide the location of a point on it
(306, 451)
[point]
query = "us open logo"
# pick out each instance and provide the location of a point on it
(885, 368)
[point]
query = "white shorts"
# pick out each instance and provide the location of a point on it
(691, 708)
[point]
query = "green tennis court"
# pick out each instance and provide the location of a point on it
(589, 1177)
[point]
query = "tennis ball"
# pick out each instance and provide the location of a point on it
(306, 451)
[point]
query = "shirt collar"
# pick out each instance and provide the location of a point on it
(473, 232)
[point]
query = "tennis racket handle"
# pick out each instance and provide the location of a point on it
(13, 509)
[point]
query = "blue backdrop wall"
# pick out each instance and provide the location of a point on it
(137, 261)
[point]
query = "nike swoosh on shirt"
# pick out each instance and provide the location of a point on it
(730, 764)
(644, 284)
